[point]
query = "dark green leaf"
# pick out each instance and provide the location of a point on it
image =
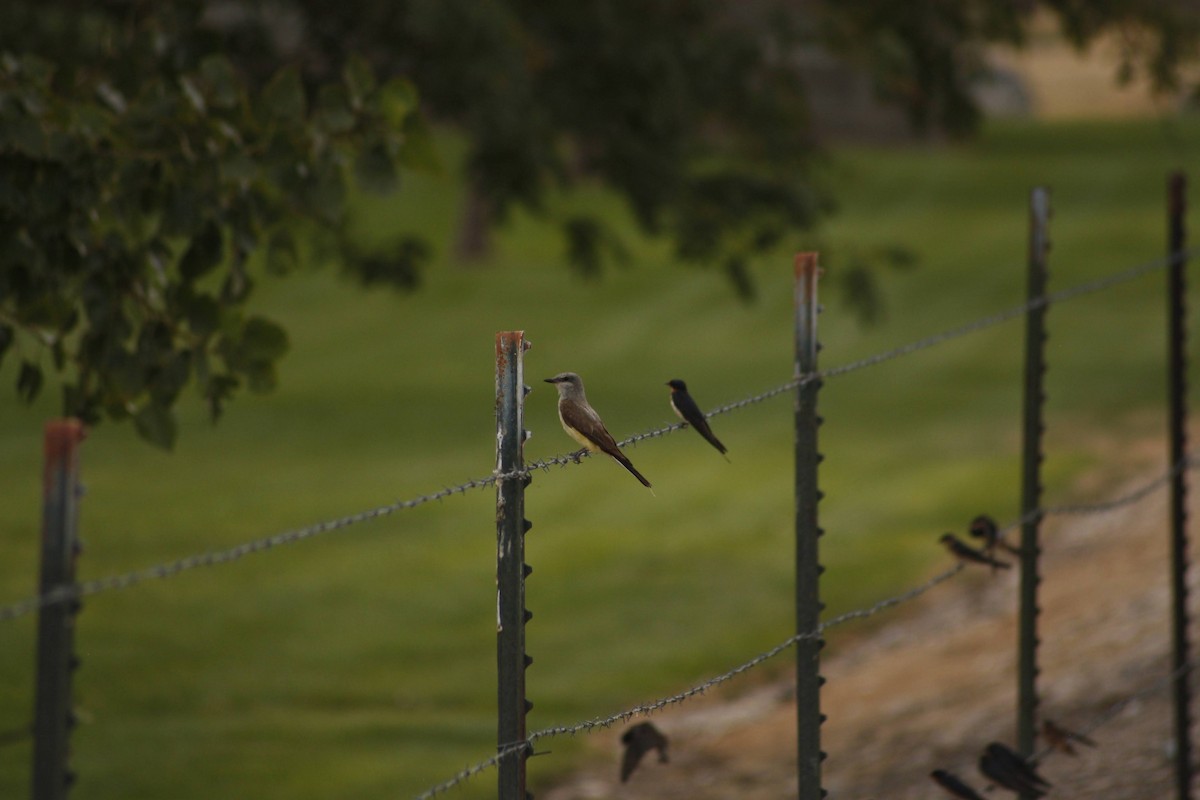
(281, 252)
(325, 192)
(333, 112)
(202, 314)
(217, 391)
(169, 380)
(397, 99)
(359, 79)
(29, 381)
(156, 424)
(263, 340)
(124, 373)
(182, 209)
(203, 254)
(223, 88)
(283, 97)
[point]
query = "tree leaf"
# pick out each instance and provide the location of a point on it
(397, 99)
(218, 74)
(262, 340)
(333, 112)
(281, 252)
(283, 97)
(203, 254)
(156, 424)
(359, 80)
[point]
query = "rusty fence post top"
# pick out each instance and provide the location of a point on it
(806, 265)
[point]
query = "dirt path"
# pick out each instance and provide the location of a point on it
(935, 684)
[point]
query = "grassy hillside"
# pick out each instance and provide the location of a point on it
(361, 664)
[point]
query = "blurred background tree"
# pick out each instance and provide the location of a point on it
(153, 156)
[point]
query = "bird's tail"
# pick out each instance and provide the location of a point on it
(627, 464)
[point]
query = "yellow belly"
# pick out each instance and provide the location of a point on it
(579, 437)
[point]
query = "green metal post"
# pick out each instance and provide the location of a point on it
(1031, 473)
(511, 570)
(808, 532)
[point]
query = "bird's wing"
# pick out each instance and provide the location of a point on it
(589, 425)
(629, 761)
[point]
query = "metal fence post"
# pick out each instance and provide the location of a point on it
(511, 569)
(808, 568)
(1177, 430)
(1031, 472)
(53, 714)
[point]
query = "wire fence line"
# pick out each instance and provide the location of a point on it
(224, 556)
(214, 557)
(598, 723)
(528, 744)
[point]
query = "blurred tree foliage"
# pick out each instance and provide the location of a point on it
(151, 153)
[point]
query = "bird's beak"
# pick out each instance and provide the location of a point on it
(551, 380)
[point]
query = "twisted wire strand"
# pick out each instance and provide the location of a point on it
(644, 709)
(169, 569)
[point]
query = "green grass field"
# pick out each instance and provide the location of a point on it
(361, 664)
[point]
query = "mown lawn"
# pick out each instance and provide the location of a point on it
(361, 664)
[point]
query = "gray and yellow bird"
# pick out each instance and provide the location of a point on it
(583, 424)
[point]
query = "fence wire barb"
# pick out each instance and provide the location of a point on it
(212, 558)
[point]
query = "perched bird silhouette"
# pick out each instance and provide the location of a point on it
(1008, 769)
(985, 528)
(583, 424)
(964, 552)
(954, 785)
(639, 740)
(1062, 739)
(690, 413)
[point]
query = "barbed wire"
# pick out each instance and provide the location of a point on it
(169, 569)
(644, 709)
(529, 742)
(216, 557)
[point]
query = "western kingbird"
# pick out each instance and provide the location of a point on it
(690, 413)
(583, 424)
(639, 740)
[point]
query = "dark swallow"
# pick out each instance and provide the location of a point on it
(964, 552)
(1006, 768)
(639, 740)
(954, 785)
(985, 528)
(1063, 740)
(690, 413)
